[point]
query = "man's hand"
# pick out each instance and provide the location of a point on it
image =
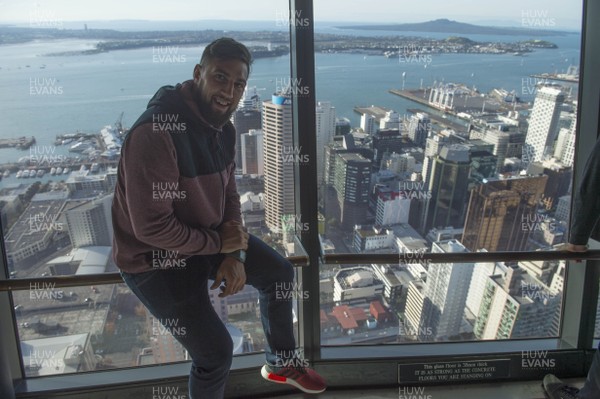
(233, 236)
(575, 248)
(233, 274)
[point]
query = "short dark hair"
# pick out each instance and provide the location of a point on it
(226, 48)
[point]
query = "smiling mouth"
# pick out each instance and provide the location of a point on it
(222, 102)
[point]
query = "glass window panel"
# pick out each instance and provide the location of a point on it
(450, 130)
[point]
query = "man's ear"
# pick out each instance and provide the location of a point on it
(197, 70)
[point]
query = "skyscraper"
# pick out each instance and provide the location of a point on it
(279, 169)
(448, 184)
(543, 124)
(326, 124)
(251, 150)
(501, 213)
(352, 180)
(244, 120)
(90, 224)
(516, 305)
(446, 288)
(419, 128)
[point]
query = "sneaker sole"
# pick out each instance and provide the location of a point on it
(272, 377)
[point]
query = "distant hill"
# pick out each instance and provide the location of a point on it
(448, 26)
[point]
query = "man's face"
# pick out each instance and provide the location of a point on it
(218, 88)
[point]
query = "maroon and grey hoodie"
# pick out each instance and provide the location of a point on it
(175, 184)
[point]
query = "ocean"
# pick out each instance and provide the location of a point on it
(44, 96)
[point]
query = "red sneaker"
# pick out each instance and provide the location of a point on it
(303, 378)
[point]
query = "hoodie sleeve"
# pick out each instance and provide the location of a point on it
(232, 198)
(149, 163)
(586, 211)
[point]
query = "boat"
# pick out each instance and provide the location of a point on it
(40, 173)
(6, 173)
(59, 170)
(25, 174)
(66, 170)
(52, 171)
(19, 174)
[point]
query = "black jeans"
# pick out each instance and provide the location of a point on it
(179, 299)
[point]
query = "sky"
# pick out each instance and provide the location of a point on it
(551, 13)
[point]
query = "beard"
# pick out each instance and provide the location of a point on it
(214, 117)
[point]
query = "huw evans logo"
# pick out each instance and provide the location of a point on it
(413, 258)
(168, 327)
(414, 54)
(45, 358)
(414, 190)
(537, 19)
(405, 330)
(285, 18)
(535, 221)
(293, 222)
(537, 360)
(168, 123)
(413, 393)
(164, 259)
(45, 156)
(293, 154)
(44, 86)
(168, 393)
(293, 86)
(164, 54)
(291, 358)
(42, 222)
(44, 292)
(290, 290)
(167, 191)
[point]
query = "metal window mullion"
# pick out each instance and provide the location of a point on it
(581, 280)
(302, 59)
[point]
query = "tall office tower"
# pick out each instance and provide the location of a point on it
(419, 128)
(565, 144)
(448, 184)
(481, 272)
(433, 145)
(325, 132)
(516, 305)
(500, 140)
(352, 180)
(251, 149)
(392, 208)
(279, 169)
(342, 126)
(391, 120)
(386, 141)
(446, 288)
(90, 224)
(501, 213)
(368, 123)
(543, 124)
(559, 180)
(244, 119)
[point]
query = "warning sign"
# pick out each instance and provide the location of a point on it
(490, 369)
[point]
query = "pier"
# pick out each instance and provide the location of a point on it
(22, 143)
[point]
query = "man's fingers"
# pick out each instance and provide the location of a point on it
(217, 282)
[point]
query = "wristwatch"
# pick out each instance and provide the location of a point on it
(240, 255)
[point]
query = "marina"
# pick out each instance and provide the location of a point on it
(21, 143)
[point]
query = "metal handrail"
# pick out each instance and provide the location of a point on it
(469, 257)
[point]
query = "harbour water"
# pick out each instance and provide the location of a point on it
(45, 96)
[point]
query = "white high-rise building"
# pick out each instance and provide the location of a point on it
(481, 272)
(325, 132)
(543, 124)
(391, 120)
(90, 224)
(447, 288)
(278, 165)
(517, 305)
(251, 148)
(565, 144)
(368, 123)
